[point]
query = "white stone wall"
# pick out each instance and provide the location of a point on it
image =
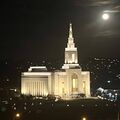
(60, 80)
(57, 83)
(35, 85)
(86, 79)
(70, 72)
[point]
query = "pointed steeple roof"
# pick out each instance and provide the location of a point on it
(70, 37)
(70, 31)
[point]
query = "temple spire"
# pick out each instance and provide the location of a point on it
(71, 56)
(70, 31)
(70, 43)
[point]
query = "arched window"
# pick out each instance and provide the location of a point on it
(74, 83)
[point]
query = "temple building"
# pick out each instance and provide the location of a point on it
(67, 82)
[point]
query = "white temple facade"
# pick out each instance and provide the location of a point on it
(67, 82)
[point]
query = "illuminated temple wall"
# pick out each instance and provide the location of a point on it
(74, 81)
(35, 83)
(60, 83)
(64, 84)
(86, 83)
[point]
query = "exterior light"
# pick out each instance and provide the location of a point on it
(17, 115)
(84, 118)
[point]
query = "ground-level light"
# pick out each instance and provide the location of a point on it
(84, 118)
(17, 115)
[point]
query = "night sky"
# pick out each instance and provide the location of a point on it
(38, 29)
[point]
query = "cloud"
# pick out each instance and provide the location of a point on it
(114, 9)
(113, 5)
(100, 2)
(96, 3)
(108, 34)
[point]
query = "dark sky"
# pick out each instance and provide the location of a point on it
(37, 29)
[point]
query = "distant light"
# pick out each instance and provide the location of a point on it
(40, 103)
(82, 105)
(106, 104)
(108, 81)
(68, 105)
(105, 16)
(10, 98)
(110, 94)
(32, 104)
(96, 105)
(25, 108)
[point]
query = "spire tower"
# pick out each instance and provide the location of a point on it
(70, 43)
(71, 57)
(70, 31)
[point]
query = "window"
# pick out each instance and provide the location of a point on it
(84, 87)
(73, 58)
(74, 83)
(63, 89)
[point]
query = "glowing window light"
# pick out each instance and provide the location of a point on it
(74, 83)
(73, 57)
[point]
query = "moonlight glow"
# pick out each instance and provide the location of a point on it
(105, 16)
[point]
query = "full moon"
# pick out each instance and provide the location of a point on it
(105, 16)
